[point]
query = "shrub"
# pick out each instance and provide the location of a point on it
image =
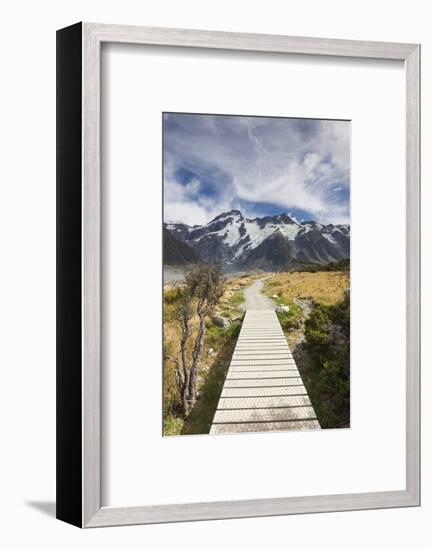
(327, 333)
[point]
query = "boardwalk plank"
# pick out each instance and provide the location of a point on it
(263, 389)
(261, 341)
(279, 382)
(267, 351)
(254, 363)
(264, 427)
(264, 363)
(254, 344)
(245, 357)
(264, 414)
(263, 402)
(238, 362)
(263, 368)
(259, 374)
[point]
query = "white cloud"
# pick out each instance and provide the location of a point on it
(193, 212)
(184, 203)
(297, 164)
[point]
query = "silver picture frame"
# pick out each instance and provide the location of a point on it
(79, 274)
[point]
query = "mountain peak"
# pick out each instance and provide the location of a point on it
(234, 213)
(284, 218)
(231, 213)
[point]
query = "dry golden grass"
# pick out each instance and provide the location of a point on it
(325, 287)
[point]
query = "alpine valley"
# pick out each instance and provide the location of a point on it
(270, 243)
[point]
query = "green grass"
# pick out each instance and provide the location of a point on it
(287, 318)
(233, 330)
(172, 425)
(279, 301)
(238, 298)
(226, 313)
(231, 307)
(213, 334)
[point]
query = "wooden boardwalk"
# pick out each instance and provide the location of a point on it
(263, 390)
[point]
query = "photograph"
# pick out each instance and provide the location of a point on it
(256, 274)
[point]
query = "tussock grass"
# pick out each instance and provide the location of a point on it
(324, 287)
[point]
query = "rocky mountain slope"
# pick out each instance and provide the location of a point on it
(270, 243)
(176, 252)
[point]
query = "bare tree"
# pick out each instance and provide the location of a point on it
(204, 286)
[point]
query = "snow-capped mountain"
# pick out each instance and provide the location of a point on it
(271, 242)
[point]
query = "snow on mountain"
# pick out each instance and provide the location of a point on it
(267, 242)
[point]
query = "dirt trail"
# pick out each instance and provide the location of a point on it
(254, 299)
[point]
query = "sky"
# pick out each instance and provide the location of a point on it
(259, 165)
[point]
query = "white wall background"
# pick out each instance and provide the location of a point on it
(27, 289)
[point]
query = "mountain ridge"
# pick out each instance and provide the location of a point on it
(276, 242)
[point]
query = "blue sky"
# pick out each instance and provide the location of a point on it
(259, 165)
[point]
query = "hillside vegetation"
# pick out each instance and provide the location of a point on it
(218, 347)
(325, 363)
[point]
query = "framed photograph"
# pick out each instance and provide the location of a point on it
(238, 239)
